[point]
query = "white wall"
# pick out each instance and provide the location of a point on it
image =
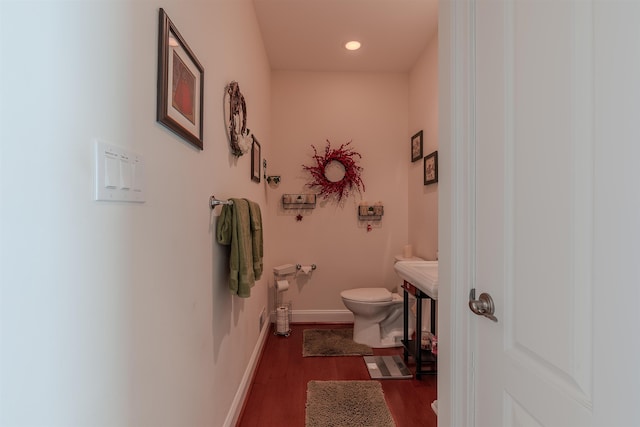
(117, 314)
(423, 115)
(371, 110)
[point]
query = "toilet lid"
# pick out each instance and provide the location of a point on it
(367, 294)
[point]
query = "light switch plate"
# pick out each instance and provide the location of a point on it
(119, 174)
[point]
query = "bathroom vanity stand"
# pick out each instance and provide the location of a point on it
(426, 361)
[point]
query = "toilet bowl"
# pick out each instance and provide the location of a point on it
(377, 316)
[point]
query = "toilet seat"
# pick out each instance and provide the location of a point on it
(367, 294)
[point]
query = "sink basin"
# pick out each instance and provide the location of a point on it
(421, 274)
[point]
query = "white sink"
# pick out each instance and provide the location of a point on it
(421, 274)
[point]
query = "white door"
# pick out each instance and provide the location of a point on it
(555, 148)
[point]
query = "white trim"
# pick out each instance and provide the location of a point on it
(241, 394)
(456, 392)
(321, 316)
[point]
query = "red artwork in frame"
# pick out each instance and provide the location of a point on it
(183, 88)
(180, 84)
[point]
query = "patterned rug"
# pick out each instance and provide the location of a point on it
(346, 403)
(332, 342)
(387, 368)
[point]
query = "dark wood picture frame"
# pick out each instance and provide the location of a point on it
(431, 168)
(180, 84)
(255, 159)
(416, 147)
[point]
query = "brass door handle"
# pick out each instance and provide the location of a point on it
(483, 306)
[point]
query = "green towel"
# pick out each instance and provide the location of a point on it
(240, 226)
(256, 237)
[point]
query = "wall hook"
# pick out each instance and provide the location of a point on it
(271, 179)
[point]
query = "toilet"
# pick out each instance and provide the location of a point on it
(377, 316)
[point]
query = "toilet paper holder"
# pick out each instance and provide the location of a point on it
(299, 266)
(282, 309)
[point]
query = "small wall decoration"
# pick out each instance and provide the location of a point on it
(431, 168)
(180, 84)
(336, 173)
(416, 147)
(255, 160)
(240, 137)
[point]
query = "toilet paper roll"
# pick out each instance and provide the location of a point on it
(282, 313)
(306, 269)
(282, 320)
(282, 285)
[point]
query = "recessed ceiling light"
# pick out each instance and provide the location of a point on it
(353, 45)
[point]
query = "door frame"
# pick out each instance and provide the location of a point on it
(456, 213)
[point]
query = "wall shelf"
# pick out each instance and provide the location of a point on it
(299, 201)
(370, 212)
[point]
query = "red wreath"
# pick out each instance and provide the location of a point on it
(351, 180)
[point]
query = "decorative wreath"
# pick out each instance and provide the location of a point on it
(239, 135)
(351, 180)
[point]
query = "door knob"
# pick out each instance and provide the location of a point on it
(483, 306)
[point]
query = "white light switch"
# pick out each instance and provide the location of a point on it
(111, 178)
(137, 172)
(125, 174)
(118, 171)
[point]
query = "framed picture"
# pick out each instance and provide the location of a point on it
(416, 147)
(180, 84)
(431, 168)
(255, 160)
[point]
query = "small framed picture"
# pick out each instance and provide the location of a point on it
(431, 168)
(180, 84)
(255, 160)
(416, 147)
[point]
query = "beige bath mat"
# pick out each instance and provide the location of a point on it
(332, 342)
(346, 403)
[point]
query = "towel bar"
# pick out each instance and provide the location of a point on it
(213, 202)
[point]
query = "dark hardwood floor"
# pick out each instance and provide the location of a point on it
(278, 391)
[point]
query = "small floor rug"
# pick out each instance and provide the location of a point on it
(346, 404)
(332, 342)
(387, 367)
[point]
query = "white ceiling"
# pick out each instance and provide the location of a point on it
(310, 34)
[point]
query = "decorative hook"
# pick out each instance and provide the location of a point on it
(213, 202)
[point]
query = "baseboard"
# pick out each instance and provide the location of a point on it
(321, 316)
(238, 401)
